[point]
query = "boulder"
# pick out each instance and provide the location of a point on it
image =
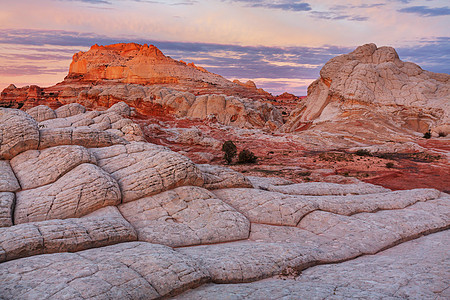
(6, 209)
(69, 110)
(125, 271)
(18, 132)
(8, 180)
(185, 216)
(35, 168)
(70, 235)
(81, 191)
(144, 169)
(41, 113)
(84, 136)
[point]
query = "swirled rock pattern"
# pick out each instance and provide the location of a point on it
(89, 213)
(143, 169)
(185, 216)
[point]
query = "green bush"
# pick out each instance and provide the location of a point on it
(230, 151)
(442, 134)
(389, 165)
(427, 134)
(246, 157)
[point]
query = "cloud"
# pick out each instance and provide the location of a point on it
(276, 68)
(328, 15)
(426, 11)
(28, 70)
(90, 1)
(432, 55)
(282, 5)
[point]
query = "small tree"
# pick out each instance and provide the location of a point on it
(230, 151)
(427, 134)
(247, 157)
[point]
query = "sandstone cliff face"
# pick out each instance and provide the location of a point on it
(373, 85)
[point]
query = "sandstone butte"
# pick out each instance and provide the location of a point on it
(94, 205)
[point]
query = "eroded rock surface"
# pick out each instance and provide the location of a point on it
(18, 132)
(218, 177)
(72, 208)
(8, 180)
(79, 192)
(35, 168)
(144, 169)
(127, 271)
(6, 208)
(372, 83)
(106, 228)
(185, 216)
(414, 270)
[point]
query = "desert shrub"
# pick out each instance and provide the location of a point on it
(442, 134)
(363, 152)
(230, 150)
(246, 157)
(389, 165)
(427, 134)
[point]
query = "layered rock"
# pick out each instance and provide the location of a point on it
(143, 64)
(372, 86)
(86, 219)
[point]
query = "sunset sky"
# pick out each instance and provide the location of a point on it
(281, 45)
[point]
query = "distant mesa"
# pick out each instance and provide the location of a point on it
(147, 65)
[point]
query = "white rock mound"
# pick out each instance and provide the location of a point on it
(372, 85)
(88, 218)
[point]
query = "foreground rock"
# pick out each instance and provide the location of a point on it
(185, 216)
(126, 271)
(414, 270)
(99, 222)
(107, 227)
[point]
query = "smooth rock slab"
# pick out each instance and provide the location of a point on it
(107, 227)
(6, 208)
(125, 271)
(185, 216)
(267, 207)
(418, 269)
(245, 261)
(327, 238)
(8, 181)
(328, 188)
(84, 136)
(35, 168)
(144, 169)
(18, 132)
(79, 192)
(282, 209)
(218, 177)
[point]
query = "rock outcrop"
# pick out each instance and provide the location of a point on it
(90, 210)
(372, 86)
(143, 64)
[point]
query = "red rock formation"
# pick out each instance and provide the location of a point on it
(147, 65)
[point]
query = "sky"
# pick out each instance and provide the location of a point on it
(281, 45)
